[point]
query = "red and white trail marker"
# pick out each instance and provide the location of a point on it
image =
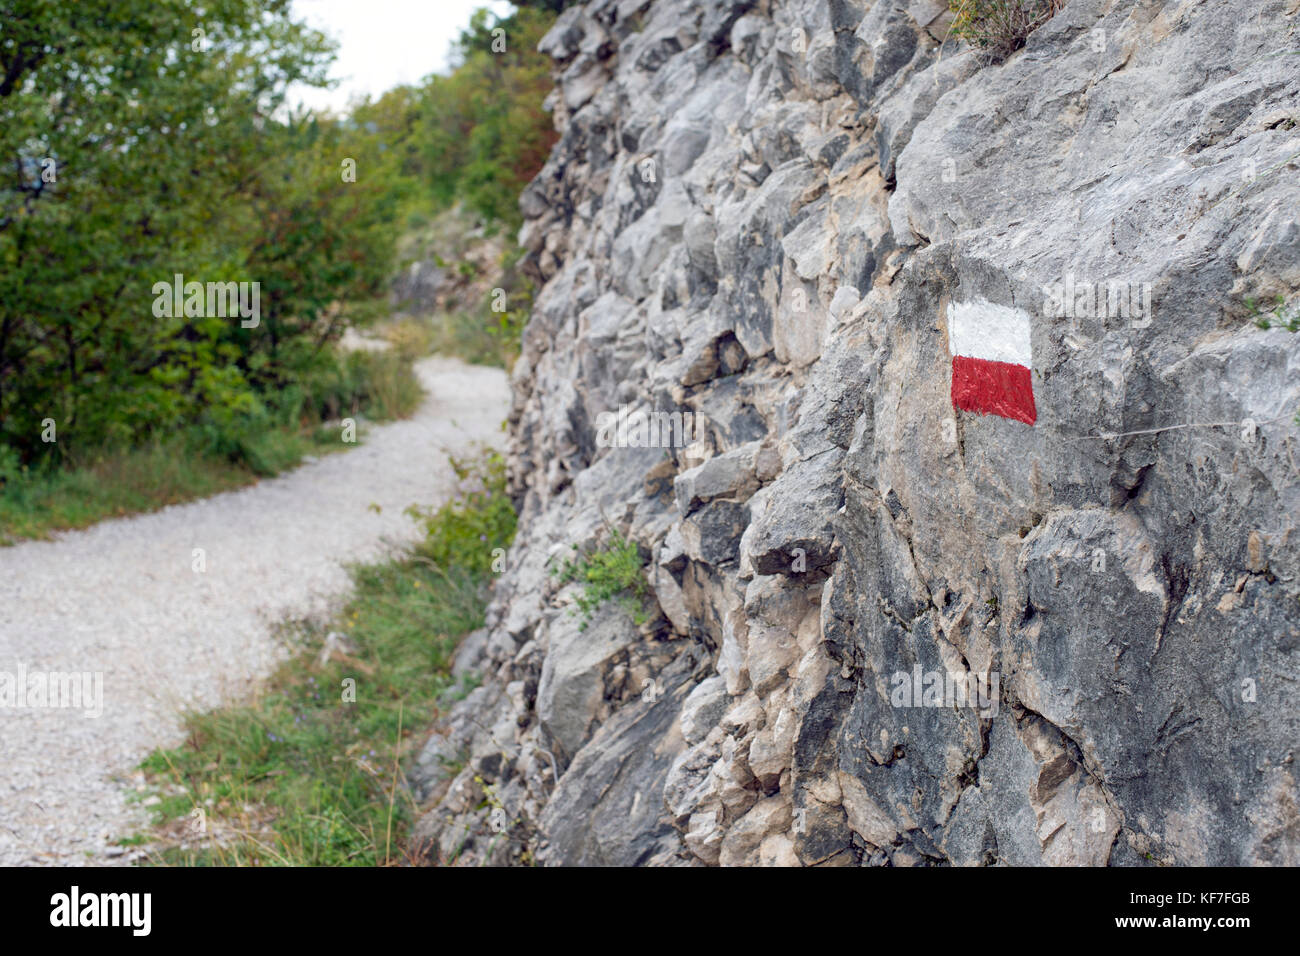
(991, 360)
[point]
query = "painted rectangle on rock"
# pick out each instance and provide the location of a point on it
(990, 346)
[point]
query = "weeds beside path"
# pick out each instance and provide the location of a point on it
(126, 598)
(203, 461)
(311, 770)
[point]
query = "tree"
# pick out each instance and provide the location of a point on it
(485, 131)
(157, 134)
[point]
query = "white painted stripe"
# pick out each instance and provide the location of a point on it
(983, 330)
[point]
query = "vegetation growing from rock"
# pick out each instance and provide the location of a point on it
(1279, 315)
(1125, 571)
(615, 570)
(1000, 27)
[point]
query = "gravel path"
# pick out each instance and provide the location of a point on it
(123, 598)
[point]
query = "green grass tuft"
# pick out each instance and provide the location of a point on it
(999, 27)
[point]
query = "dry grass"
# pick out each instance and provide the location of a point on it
(1000, 27)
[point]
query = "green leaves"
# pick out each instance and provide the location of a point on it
(1278, 316)
(133, 148)
(141, 139)
(483, 132)
(470, 533)
(615, 571)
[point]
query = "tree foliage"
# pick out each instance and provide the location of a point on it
(482, 131)
(142, 139)
(139, 140)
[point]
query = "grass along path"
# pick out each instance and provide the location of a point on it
(124, 599)
(310, 770)
(198, 464)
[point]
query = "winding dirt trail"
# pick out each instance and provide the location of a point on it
(123, 599)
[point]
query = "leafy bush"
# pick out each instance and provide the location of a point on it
(462, 534)
(616, 570)
(1000, 27)
(217, 453)
(482, 131)
(380, 384)
(142, 152)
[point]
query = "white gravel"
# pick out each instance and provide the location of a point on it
(122, 598)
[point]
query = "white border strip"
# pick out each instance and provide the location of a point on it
(995, 333)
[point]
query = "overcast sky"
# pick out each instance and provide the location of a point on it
(383, 43)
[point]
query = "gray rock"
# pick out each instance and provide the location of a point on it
(703, 708)
(574, 675)
(471, 653)
(729, 475)
(828, 181)
(608, 809)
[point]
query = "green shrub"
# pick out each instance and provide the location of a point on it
(231, 188)
(463, 534)
(224, 449)
(170, 160)
(410, 338)
(482, 131)
(615, 571)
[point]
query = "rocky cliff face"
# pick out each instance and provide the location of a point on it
(886, 628)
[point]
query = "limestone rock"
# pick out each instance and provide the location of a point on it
(886, 629)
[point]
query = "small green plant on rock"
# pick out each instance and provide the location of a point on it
(1279, 316)
(999, 27)
(614, 571)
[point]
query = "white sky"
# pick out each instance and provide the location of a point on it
(383, 43)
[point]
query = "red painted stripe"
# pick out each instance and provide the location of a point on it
(993, 388)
